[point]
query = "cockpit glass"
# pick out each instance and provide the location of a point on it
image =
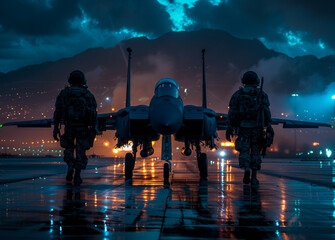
(167, 89)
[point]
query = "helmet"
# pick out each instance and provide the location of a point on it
(77, 78)
(250, 78)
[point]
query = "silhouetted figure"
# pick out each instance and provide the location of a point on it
(249, 114)
(76, 109)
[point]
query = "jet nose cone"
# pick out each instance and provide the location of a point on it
(166, 117)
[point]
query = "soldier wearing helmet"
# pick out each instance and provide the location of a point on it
(76, 109)
(243, 121)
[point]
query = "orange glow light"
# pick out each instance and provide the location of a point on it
(227, 144)
(106, 144)
(316, 144)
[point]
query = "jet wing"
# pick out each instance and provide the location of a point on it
(221, 123)
(298, 124)
(105, 120)
(43, 123)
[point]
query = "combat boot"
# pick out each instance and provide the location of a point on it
(254, 180)
(246, 178)
(77, 179)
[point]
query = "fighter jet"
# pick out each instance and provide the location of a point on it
(195, 126)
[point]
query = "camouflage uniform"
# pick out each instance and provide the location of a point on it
(242, 116)
(77, 132)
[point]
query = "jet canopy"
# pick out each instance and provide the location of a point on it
(167, 87)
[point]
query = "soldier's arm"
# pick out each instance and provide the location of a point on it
(58, 108)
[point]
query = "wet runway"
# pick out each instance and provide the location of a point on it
(295, 200)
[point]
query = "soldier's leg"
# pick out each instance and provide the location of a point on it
(69, 159)
(82, 145)
(67, 142)
(256, 160)
(244, 157)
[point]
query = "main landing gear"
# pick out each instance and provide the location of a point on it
(130, 163)
(202, 163)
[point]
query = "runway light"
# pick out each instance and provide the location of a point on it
(0, 125)
(222, 153)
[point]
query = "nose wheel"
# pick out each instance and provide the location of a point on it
(202, 165)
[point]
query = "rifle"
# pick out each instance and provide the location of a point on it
(260, 122)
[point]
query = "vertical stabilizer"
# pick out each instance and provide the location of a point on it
(128, 78)
(204, 91)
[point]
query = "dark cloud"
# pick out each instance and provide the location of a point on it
(277, 22)
(35, 31)
(34, 18)
(143, 16)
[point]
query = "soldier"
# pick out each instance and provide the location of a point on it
(76, 109)
(249, 114)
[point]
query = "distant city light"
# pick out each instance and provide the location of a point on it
(316, 144)
(222, 153)
(295, 95)
(328, 152)
(107, 98)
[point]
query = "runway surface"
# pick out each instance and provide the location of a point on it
(295, 200)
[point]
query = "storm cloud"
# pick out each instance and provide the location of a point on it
(35, 31)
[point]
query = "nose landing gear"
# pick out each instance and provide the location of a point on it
(202, 163)
(130, 163)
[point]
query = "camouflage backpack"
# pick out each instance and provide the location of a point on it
(78, 109)
(248, 104)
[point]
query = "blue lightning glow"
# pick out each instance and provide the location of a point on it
(322, 45)
(217, 2)
(86, 21)
(130, 33)
(176, 10)
(293, 39)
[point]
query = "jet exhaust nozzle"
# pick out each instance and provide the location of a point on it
(186, 151)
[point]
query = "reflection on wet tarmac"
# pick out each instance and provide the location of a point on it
(107, 207)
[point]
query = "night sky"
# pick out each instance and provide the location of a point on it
(35, 31)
